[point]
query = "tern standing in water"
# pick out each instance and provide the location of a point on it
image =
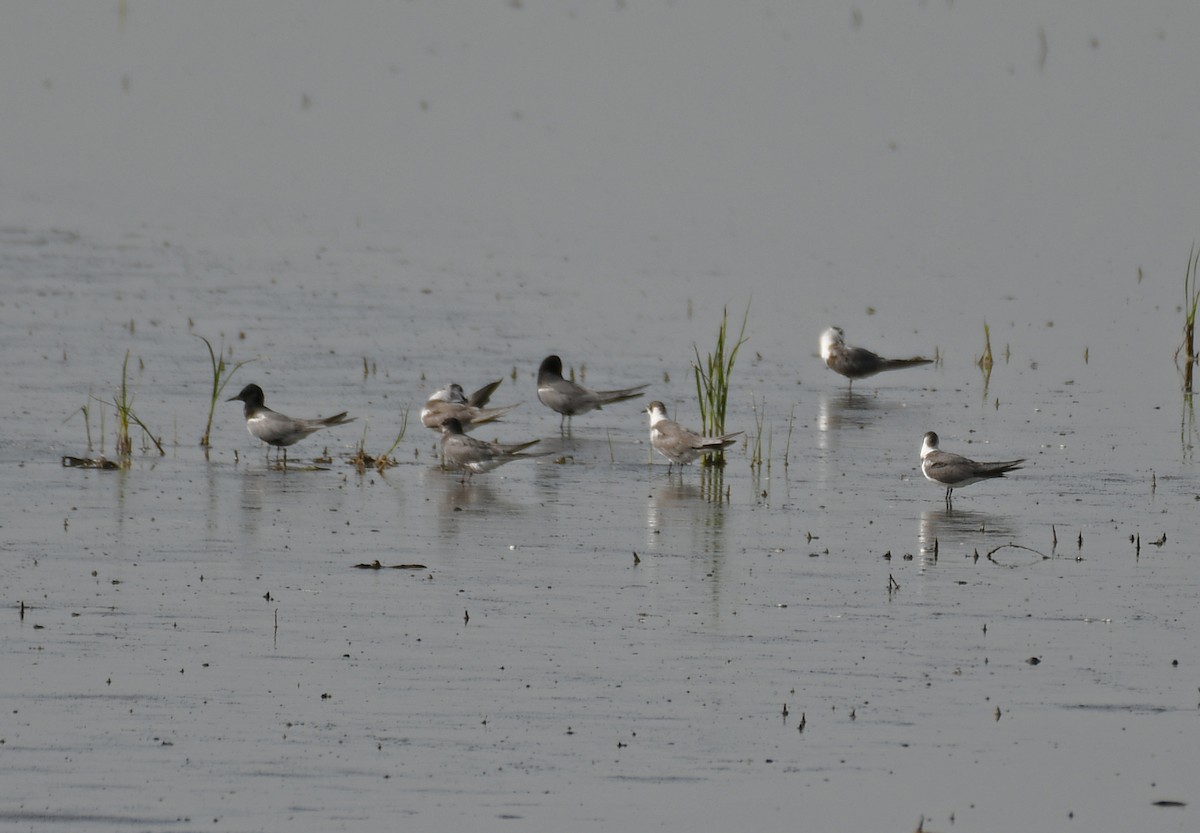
(277, 429)
(955, 471)
(567, 398)
(678, 444)
(858, 362)
(470, 455)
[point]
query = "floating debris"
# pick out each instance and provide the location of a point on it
(376, 565)
(88, 463)
(994, 550)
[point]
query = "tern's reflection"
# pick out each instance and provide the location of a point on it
(845, 409)
(267, 487)
(957, 533)
(456, 498)
(690, 501)
(837, 413)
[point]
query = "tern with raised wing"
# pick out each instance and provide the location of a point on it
(451, 401)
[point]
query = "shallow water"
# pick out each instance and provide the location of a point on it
(373, 203)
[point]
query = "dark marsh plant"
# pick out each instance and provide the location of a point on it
(1191, 299)
(362, 460)
(985, 361)
(123, 402)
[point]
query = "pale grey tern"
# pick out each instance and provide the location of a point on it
(678, 444)
(470, 455)
(858, 362)
(469, 410)
(955, 471)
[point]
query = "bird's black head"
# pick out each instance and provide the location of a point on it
(252, 395)
(451, 426)
(551, 368)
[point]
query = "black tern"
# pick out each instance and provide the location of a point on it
(858, 362)
(678, 444)
(470, 455)
(274, 428)
(468, 410)
(570, 399)
(955, 471)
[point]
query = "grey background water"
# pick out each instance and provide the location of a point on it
(448, 192)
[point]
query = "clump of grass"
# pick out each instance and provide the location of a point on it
(362, 460)
(756, 454)
(985, 361)
(123, 403)
(1191, 299)
(787, 446)
(221, 375)
(712, 382)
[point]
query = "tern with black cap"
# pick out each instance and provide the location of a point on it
(277, 429)
(569, 399)
(470, 455)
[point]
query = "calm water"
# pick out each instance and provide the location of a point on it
(372, 201)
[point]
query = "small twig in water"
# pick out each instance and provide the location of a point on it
(1015, 547)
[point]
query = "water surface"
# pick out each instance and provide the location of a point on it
(375, 201)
